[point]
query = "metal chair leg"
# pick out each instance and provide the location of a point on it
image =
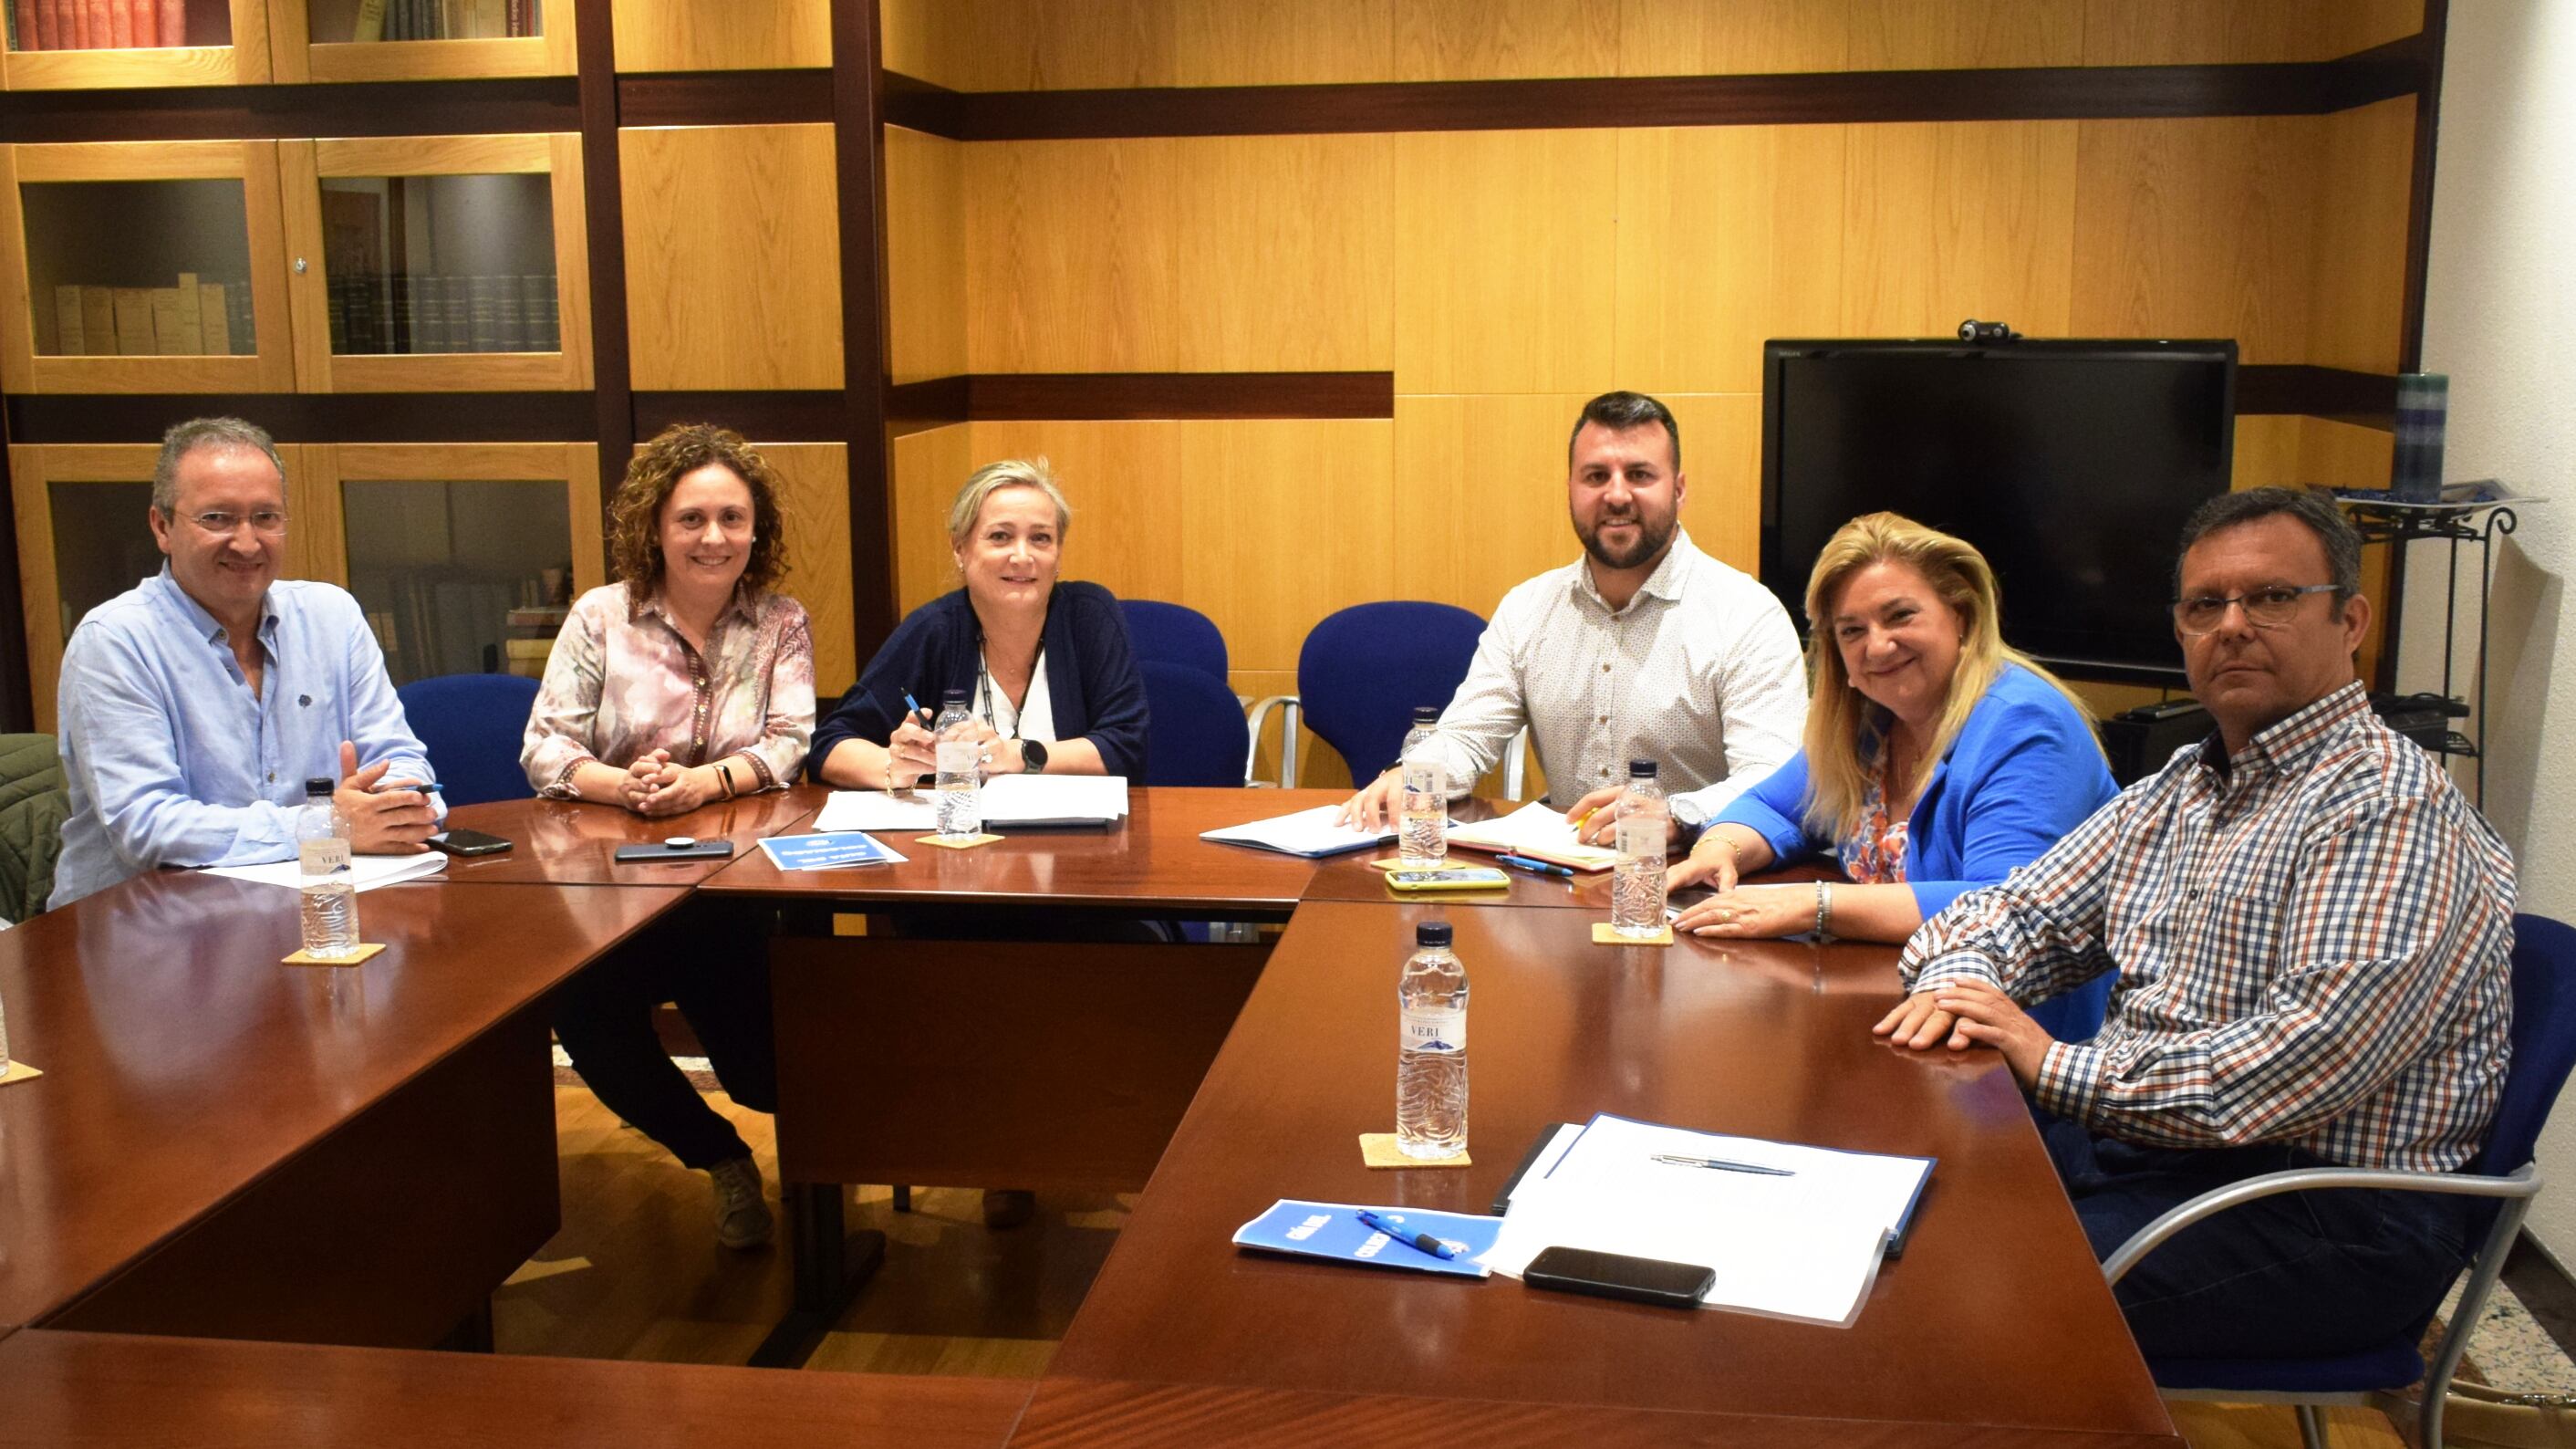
(2312, 1426)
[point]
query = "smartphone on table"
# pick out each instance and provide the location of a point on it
(468, 842)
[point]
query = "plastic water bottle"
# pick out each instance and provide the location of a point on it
(961, 777)
(1422, 835)
(330, 903)
(1637, 881)
(1431, 1060)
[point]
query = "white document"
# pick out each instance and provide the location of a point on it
(1803, 1246)
(1310, 833)
(1009, 800)
(366, 872)
(1539, 832)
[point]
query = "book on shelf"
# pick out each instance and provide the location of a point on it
(120, 25)
(370, 24)
(166, 340)
(460, 313)
(513, 314)
(214, 318)
(241, 325)
(68, 340)
(404, 296)
(23, 29)
(483, 313)
(93, 27)
(537, 296)
(174, 21)
(143, 20)
(98, 321)
(192, 325)
(46, 33)
(134, 322)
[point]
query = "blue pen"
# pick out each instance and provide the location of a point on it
(1423, 1241)
(918, 712)
(1538, 867)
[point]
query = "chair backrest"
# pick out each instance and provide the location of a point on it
(2544, 1040)
(1175, 634)
(1363, 669)
(1195, 734)
(473, 725)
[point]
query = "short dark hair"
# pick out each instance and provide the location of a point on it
(2333, 530)
(201, 433)
(1620, 411)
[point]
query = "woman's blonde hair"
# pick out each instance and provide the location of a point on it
(992, 478)
(1841, 721)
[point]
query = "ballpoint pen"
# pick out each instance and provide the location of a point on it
(1423, 1241)
(918, 713)
(1722, 1165)
(1539, 867)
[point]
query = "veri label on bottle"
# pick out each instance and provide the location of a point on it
(1436, 1029)
(323, 857)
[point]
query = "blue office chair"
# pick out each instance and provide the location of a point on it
(2076, 1015)
(1364, 668)
(1195, 734)
(473, 725)
(2544, 1048)
(1175, 634)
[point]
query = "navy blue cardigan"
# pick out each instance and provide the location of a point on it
(1093, 689)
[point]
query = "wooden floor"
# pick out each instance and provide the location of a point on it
(636, 1273)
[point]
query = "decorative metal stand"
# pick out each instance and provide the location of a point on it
(2399, 524)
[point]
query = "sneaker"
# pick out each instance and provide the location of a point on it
(1008, 1207)
(742, 1216)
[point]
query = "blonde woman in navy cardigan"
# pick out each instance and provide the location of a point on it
(1936, 760)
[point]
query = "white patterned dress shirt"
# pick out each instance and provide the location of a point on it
(1700, 673)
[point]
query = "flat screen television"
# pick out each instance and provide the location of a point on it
(2070, 464)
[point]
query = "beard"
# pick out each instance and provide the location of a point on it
(1652, 535)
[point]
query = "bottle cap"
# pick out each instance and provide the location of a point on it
(1433, 933)
(1641, 769)
(320, 785)
(1424, 714)
(954, 696)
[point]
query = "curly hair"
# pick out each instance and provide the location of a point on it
(635, 516)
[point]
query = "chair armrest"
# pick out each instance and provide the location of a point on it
(1290, 711)
(2523, 1183)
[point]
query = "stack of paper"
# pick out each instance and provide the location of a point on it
(1313, 834)
(1010, 801)
(1539, 832)
(827, 852)
(1802, 1243)
(366, 872)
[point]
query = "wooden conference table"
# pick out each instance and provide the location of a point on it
(1993, 1329)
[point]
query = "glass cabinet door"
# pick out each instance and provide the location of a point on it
(441, 264)
(80, 44)
(368, 40)
(465, 558)
(146, 266)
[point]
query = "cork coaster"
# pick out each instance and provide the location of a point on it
(18, 1072)
(1605, 934)
(1378, 1149)
(965, 842)
(366, 952)
(1392, 862)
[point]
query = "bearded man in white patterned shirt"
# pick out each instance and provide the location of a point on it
(1644, 648)
(2311, 929)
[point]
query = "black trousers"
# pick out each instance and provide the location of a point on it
(711, 958)
(2296, 1275)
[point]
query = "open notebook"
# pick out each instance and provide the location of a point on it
(1537, 831)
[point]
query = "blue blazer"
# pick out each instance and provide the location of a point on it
(2022, 773)
(1093, 688)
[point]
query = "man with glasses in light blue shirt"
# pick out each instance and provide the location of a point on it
(194, 706)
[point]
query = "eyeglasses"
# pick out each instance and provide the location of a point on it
(2271, 608)
(222, 524)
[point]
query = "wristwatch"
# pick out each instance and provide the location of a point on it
(1691, 817)
(1033, 755)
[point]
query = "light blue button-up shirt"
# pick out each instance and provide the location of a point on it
(171, 761)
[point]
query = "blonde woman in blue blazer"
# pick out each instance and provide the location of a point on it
(1936, 758)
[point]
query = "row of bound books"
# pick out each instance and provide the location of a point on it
(192, 319)
(97, 24)
(445, 19)
(371, 313)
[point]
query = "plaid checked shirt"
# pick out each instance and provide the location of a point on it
(2311, 948)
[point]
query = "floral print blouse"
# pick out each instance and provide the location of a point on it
(1874, 854)
(622, 683)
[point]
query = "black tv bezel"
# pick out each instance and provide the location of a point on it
(1778, 351)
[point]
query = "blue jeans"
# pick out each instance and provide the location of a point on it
(2298, 1275)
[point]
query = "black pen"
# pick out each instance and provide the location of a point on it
(1535, 867)
(1423, 1241)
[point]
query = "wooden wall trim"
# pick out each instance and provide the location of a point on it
(916, 407)
(763, 417)
(725, 98)
(867, 352)
(532, 105)
(2366, 398)
(612, 416)
(304, 417)
(2036, 93)
(1117, 395)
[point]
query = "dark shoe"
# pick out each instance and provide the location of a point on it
(1008, 1207)
(742, 1215)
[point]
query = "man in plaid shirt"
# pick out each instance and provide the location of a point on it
(2310, 926)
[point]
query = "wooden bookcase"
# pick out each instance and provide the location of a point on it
(300, 58)
(244, 62)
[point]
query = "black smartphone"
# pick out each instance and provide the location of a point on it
(1616, 1275)
(675, 849)
(468, 842)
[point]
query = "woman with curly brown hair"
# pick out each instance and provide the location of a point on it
(689, 680)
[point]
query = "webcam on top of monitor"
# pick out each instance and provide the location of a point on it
(1973, 330)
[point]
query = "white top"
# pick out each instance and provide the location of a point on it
(1700, 673)
(1033, 720)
